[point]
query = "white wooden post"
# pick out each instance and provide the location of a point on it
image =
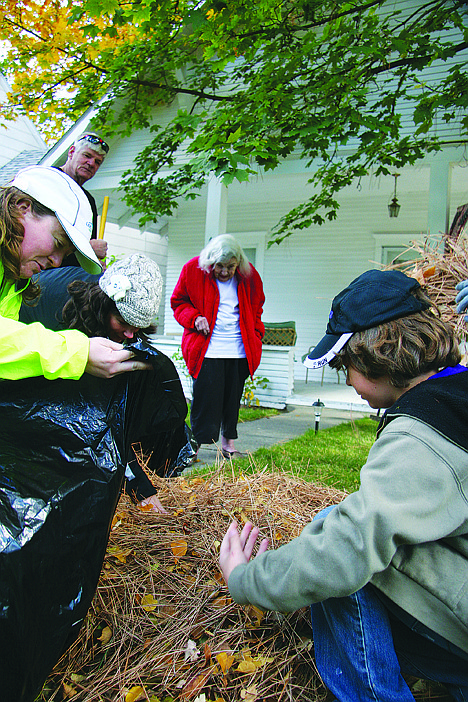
(216, 209)
(439, 196)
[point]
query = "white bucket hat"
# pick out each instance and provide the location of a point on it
(57, 191)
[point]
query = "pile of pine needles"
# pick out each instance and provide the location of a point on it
(162, 625)
(438, 268)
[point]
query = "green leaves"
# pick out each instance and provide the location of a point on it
(260, 82)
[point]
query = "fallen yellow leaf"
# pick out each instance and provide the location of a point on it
(135, 693)
(249, 694)
(262, 660)
(145, 508)
(247, 667)
(117, 519)
(225, 661)
(428, 272)
(106, 635)
(118, 553)
(179, 548)
(74, 677)
(68, 690)
(255, 613)
(148, 603)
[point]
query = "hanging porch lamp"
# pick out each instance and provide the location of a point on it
(394, 207)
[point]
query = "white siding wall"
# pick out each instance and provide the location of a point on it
(125, 241)
(18, 135)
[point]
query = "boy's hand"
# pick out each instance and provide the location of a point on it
(154, 503)
(236, 549)
(462, 297)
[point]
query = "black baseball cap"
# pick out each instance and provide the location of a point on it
(371, 299)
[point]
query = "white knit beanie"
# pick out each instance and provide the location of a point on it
(135, 285)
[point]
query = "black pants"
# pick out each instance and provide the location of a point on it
(217, 392)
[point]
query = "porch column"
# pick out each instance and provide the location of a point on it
(439, 195)
(216, 209)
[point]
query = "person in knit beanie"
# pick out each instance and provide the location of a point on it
(121, 304)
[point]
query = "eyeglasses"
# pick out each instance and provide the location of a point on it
(95, 140)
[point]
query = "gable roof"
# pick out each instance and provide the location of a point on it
(28, 157)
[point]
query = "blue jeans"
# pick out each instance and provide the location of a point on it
(362, 647)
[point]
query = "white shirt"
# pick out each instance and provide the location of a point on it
(226, 339)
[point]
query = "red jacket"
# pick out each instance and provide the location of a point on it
(196, 294)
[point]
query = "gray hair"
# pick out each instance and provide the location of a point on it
(220, 250)
(93, 141)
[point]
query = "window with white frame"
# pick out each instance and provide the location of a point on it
(253, 244)
(395, 248)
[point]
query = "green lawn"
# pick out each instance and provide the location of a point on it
(332, 456)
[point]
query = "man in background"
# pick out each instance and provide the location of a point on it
(85, 156)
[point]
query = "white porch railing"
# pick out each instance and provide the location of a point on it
(277, 365)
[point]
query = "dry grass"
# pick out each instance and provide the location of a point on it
(161, 588)
(162, 626)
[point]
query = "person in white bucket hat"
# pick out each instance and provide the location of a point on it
(44, 215)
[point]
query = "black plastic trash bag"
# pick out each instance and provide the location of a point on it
(64, 446)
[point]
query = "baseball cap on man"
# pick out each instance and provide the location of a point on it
(375, 297)
(57, 191)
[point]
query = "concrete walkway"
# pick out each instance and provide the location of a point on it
(290, 423)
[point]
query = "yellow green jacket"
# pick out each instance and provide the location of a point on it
(28, 350)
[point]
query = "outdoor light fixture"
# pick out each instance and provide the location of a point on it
(318, 406)
(394, 207)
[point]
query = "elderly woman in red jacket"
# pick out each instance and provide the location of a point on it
(219, 300)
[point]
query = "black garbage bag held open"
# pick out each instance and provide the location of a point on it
(64, 446)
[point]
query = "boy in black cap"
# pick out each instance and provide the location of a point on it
(386, 571)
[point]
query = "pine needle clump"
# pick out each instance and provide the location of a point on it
(163, 627)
